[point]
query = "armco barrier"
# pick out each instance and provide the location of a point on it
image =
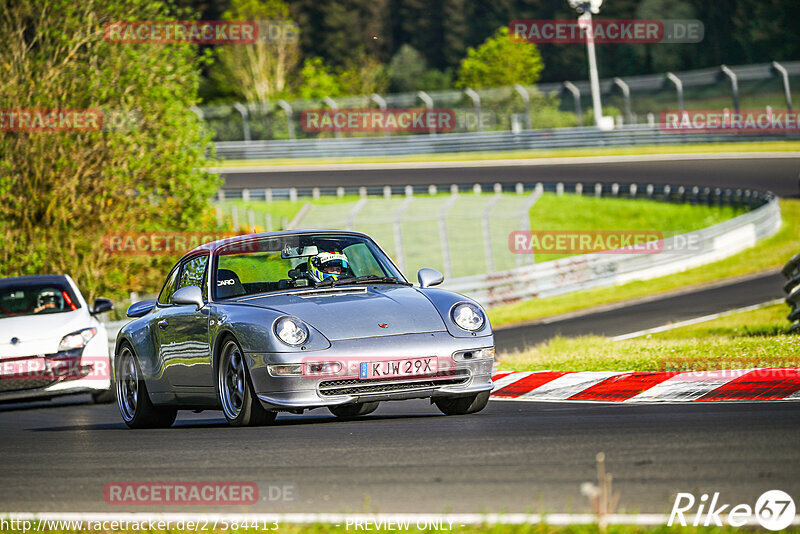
(478, 142)
(597, 270)
(792, 288)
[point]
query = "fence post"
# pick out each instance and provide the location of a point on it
(576, 98)
(378, 99)
(331, 103)
(268, 194)
(340, 192)
(781, 70)
(315, 193)
(387, 191)
(246, 195)
(734, 85)
(235, 218)
(626, 93)
(293, 194)
(678, 87)
(251, 219)
(245, 120)
(526, 99)
(476, 104)
(426, 98)
(289, 121)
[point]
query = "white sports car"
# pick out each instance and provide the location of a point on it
(51, 342)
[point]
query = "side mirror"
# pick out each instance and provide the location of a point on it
(189, 295)
(141, 308)
(102, 305)
(429, 277)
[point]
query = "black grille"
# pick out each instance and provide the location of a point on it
(13, 384)
(329, 388)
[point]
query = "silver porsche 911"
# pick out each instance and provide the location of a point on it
(292, 321)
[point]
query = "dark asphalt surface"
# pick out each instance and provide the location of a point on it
(406, 457)
(646, 315)
(776, 175)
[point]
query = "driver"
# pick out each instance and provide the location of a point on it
(327, 265)
(46, 300)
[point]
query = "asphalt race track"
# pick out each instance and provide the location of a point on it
(648, 314)
(778, 175)
(407, 457)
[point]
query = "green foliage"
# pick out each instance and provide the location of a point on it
(405, 69)
(62, 192)
(317, 80)
(500, 61)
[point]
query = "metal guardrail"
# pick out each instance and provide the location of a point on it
(792, 289)
(601, 269)
(479, 142)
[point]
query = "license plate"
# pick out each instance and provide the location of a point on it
(399, 368)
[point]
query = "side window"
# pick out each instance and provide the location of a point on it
(165, 297)
(193, 274)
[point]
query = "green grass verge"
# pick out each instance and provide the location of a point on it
(739, 341)
(769, 146)
(769, 253)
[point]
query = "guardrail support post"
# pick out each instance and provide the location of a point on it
(293, 194)
(626, 93)
(526, 99)
(781, 70)
(331, 103)
(678, 88)
(579, 189)
(576, 98)
(246, 195)
(287, 109)
(734, 85)
(245, 120)
(315, 193)
(476, 104)
(340, 192)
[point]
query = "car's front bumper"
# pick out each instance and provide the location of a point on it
(298, 392)
(65, 374)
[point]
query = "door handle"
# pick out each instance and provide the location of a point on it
(162, 324)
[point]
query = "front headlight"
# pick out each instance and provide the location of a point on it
(291, 331)
(468, 317)
(77, 340)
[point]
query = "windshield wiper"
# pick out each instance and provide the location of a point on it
(368, 279)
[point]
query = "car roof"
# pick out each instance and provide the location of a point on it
(33, 279)
(214, 245)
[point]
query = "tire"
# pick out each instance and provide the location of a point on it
(132, 398)
(235, 389)
(105, 397)
(350, 411)
(462, 405)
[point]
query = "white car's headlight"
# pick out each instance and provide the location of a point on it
(77, 340)
(291, 331)
(468, 317)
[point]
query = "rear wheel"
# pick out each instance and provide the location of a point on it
(462, 405)
(349, 411)
(134, 403)
(236, 394)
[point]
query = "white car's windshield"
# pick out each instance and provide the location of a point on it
(299, 261)
(36, 298)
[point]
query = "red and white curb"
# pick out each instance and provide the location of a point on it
(769, 384)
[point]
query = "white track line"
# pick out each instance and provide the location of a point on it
(696, 320)
(528, 162)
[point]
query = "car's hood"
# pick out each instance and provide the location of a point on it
(38, 334)
(357, 311)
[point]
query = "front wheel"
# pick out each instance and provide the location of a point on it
(462, 405)
(132, 399)
(349, 411)
(236, 394)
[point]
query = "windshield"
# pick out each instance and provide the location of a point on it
(36, 299)
(298, 261)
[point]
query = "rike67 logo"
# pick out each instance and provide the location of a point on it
(774, 510)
